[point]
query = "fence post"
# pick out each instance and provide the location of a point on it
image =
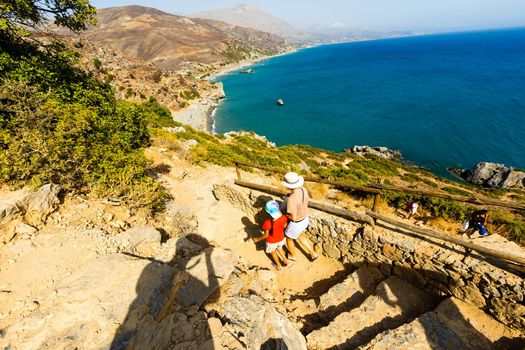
(377, 200)
(238, 171)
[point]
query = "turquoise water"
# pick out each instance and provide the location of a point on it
(443, 100)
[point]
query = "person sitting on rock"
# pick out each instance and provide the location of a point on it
(274, 234)
(295, 207)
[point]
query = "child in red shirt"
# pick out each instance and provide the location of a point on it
(274, 234)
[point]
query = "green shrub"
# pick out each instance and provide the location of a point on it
(109, 78)
(157, 115)
(157, 76)
(129, 92)
(97, 63)
(189, 94)
(58, 124)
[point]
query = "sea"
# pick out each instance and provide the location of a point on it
(445, 100)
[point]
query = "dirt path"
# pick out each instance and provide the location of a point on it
(228, 227)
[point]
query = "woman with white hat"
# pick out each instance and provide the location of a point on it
(295, 206)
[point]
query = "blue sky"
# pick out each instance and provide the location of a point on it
(417, 15)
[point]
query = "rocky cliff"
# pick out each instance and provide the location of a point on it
(492, 175)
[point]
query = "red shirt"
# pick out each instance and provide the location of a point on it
(276, 228)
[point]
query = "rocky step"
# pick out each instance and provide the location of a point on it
(427, 332)
(477, 328)
(395, 302)
(453, 325)
(350, 293)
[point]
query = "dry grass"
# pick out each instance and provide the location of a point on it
(445, 226)
(317, 190)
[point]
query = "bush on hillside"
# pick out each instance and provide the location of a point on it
(157, 115)
(58, 124)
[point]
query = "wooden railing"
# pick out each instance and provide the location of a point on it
(377, 188)
(371, 216)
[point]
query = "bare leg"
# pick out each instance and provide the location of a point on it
(307, 245)
(290, 245)
(275, 258)
(282, 255)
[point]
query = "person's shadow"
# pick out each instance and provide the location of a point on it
(157, 294)
(274, 344)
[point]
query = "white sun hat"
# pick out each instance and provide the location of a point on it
(293, 180)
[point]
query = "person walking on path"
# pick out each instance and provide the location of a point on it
(411, 208)
(295, 207)
(274, 234)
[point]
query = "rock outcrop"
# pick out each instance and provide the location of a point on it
(492, 175)
(259, 322)
(382, 152)
(34, 206)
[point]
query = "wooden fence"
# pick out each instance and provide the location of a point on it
(377, 188)
(371, 216)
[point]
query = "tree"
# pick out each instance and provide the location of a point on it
(18, 15)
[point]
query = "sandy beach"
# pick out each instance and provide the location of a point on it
(199, 113)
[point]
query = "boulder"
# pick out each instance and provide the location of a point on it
(143, 241)
(382, 152)
(257, 323)
(35, 205)
(178, 247)
(492, 175)
(41, 203)
(25, 229)
(11, 205)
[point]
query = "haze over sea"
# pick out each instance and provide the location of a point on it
(448, 100)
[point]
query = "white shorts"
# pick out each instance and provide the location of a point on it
(271, 247)
(294, 229)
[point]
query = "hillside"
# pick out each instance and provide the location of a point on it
(177, 42)
(137, 80)
(253, 17)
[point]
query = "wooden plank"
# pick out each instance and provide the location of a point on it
(465, 199)
(346, 185)
(377, 187)
(338, 211)
(431, 233)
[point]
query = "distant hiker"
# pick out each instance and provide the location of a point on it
(411, 208)
(274, 234)
(295, 207)
(477, 223)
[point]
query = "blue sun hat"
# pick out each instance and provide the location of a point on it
(272, 208)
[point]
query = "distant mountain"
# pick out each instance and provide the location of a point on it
(177, 42)
(253, 17)
(331, 34)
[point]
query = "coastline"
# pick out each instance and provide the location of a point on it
(200, 114)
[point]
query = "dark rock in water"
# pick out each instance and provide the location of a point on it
(492, 175)
(382, 152)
